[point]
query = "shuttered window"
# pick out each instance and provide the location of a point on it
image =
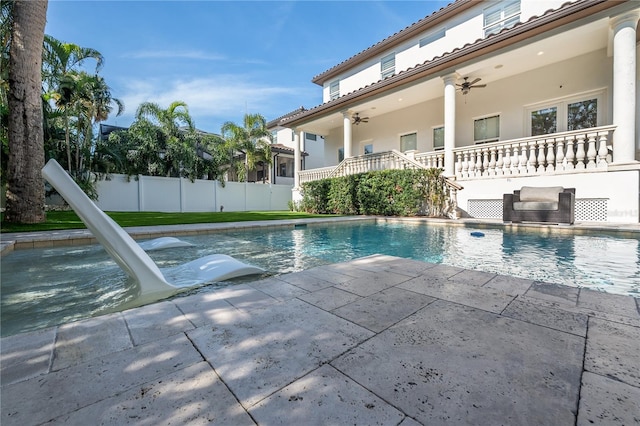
(388, 66)
(501, 16)
(334, 90)
(436, 35)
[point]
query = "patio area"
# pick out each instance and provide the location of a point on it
(377, 340)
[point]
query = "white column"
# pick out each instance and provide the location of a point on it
(346, 119)
(296, 158)
(449, 123)
(624, 86)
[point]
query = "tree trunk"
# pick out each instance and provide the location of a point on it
(25, 191)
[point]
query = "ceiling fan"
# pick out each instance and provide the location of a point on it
(467, 85)
(357, 119)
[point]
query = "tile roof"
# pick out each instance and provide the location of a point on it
(418, 27)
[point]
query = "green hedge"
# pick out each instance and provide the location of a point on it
(387, 192)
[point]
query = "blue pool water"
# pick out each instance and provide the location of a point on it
(44, 287)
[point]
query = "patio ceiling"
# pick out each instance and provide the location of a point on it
(532, 53)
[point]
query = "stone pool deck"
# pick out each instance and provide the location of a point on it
(377, 340)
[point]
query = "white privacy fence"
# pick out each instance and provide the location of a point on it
(150, 193)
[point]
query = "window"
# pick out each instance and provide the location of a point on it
(310, 136)
(566, 114)
(368, 149)
(544, 121)
(501, 16)
(334, 90)
(582, 115)
(274, 136)
(409, 142)
(285, 167)
(388, 66)
(438, 138)
(436, 35)
(486, 129)
(340, 155)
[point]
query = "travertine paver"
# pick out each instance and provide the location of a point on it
(547, 315)
(245, 297)
(190, 396)
(371, 282)
(412, 268)
(604, 302)
(308, 281)
(258, 355)
(330, 298)
(613, 350)
(46, 397)
(509, 285)
(478, 297)
(554, 293)
(381, 310)
(607, 401)
(206, 308)
(325, 397)
(327, 274)
(155, 321)
(470, 277)
(26, 355)
(278, 289)
(95, 337)
(450, 364)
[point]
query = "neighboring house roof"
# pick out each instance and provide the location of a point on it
(106, 129)
(279, 148)
(275, 122)
(567, 13)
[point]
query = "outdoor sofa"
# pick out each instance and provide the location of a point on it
(551, 204)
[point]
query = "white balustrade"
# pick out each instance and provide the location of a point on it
(556, 153)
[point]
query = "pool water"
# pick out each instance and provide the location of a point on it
(45, 287)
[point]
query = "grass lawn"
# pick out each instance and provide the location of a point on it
(69, 220)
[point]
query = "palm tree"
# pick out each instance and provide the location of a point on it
(25, 191)
(173, 124)
(253, 140)
(92, 102)
(60, 63)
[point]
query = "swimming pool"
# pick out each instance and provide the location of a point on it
(45, 287)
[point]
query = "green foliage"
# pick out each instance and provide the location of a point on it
(342, 196)
(388, 192)
(316, 196)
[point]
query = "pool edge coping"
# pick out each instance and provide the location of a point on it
(58, 238)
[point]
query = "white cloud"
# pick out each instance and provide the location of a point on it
(214, 100)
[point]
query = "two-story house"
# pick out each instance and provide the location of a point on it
(499, 94)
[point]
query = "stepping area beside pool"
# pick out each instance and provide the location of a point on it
(377, 340)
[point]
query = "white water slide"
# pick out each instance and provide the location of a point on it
(151, 282)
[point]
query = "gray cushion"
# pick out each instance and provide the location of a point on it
(535, 205)
(544, 193)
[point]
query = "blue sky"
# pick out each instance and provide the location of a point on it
(225, 58)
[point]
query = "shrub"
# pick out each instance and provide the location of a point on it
(406, 192)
